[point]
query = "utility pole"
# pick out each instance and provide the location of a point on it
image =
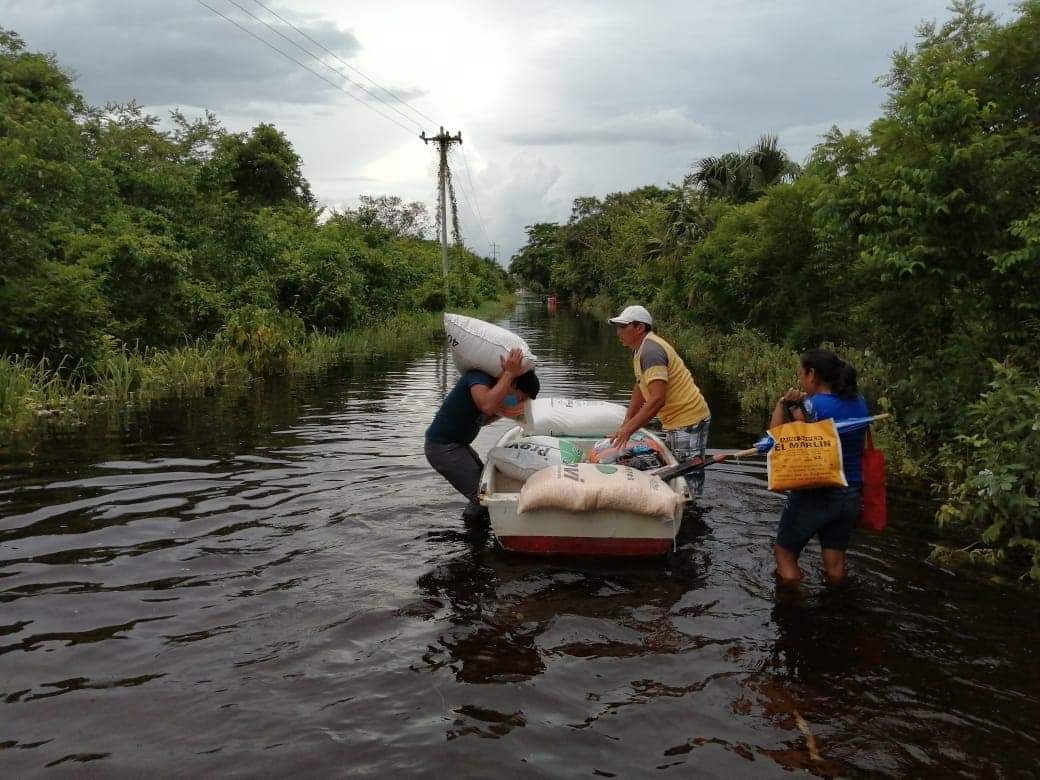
(444, 141)
(494, 251)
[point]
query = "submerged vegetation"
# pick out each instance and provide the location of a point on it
(138, 260)
(32, 389)
(913, 247)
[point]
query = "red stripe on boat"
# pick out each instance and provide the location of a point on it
(585, 545)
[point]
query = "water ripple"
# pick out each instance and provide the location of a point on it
(279, 583)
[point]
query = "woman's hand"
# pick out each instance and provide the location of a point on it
(788, 408)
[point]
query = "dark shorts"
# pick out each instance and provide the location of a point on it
(457, 463)
(829, 513)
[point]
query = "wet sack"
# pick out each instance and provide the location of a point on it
(478, 344)
(571, 417)
(588, 487)
(520, 459)
(805, 455)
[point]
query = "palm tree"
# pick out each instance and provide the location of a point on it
(770, 163)
(743, 177)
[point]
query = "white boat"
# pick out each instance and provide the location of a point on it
(560, 532)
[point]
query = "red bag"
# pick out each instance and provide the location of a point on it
(874, 516)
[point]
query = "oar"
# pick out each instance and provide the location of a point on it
(696, 463)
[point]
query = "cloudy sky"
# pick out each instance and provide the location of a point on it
(554, 99)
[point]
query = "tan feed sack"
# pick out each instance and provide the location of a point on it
(805, 455)
(587, 487)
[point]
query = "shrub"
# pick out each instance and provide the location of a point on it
(992, 470)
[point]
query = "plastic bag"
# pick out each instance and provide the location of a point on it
(642, 452)
(874, 516)
(805, 455)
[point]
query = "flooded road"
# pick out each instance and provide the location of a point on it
(278, 583)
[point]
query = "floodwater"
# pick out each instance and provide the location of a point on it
(276, 583)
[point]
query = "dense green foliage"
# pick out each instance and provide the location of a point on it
(914, 245)
(115, 230)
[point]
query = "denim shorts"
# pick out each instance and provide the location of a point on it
(829, 513)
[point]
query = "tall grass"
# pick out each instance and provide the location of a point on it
(30, 390)
(118, 374)
(194, 370)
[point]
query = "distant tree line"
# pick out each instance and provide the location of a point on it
(116, 230)
(916, 241)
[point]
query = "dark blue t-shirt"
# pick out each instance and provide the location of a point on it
(824, 406)
(458, 420)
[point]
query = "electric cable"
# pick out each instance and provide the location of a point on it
(320, 61)
(473, 190)
(346, 64)
(305, 67)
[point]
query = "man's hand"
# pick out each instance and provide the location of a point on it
(513, 363)
(620, 437)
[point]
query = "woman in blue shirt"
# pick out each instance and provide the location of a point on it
(828, 392)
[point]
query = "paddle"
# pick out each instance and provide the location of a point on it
(695, 463)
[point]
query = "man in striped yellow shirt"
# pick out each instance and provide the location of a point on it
(664, 388)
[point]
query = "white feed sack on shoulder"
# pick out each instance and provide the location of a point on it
(478, 344)
(571, 417)
(529, 454)
(590, 487)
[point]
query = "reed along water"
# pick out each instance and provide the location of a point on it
(277, 583)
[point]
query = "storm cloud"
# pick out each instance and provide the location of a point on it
(554, 100)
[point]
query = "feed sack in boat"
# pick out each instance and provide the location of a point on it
(570, 417)
(522, 458)
(590, 487)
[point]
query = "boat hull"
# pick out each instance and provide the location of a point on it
(557, 532)
(585, 546)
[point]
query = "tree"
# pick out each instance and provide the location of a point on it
(744, 177)
(49, 189)
(388, 217)
(533, 263)
(261, 167)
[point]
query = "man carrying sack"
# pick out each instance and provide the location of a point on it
(664, 388)
(477, 399)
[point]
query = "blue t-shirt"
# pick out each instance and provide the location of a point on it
(458, 420)
(824, 406)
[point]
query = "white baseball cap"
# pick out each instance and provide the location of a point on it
(633, 314)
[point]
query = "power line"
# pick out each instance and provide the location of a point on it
(270, 45)
(321, 62)
(468, 200)
(346, 64)
(473, 190)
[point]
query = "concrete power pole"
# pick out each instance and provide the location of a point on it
(443, 141)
